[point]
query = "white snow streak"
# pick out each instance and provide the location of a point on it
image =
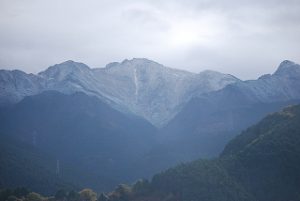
(136, 83)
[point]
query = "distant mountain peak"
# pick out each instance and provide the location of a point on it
(286, 63)
(68, 62)
(71, 63)
(140, 61)
(111, 65)
(288, 68)
(63, 69)
(134, 60)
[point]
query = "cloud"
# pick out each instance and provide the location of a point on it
(245, 38)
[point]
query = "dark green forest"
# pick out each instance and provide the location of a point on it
(262, 163)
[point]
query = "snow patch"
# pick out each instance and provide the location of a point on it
(136, 84)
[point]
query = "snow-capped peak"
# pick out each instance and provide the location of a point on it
(288, 69)
(59, 71)
(286, 63)
(137, 61)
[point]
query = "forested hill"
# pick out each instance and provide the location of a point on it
(94, 144)
(262, 163)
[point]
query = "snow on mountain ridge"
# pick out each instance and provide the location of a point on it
(141, 86)
(59, 71)
(287, 68)
(16, 84)
(282, 85)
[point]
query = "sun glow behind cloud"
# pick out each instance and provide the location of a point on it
(190, 33)
(186, 34)
(173, 32)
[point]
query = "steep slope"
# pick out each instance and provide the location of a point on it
(266, 157)
(261, 164)
(81, 132)
(158, 92)
(208, 122)
(138, 86)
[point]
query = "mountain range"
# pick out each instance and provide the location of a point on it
(126, 120)
(139, 86)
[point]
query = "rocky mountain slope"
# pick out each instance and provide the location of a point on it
(146, 88)
(139, 86)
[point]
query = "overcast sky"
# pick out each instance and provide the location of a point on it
(243, 38)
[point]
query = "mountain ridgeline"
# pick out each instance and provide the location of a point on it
(72, 126)
(138, 86)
